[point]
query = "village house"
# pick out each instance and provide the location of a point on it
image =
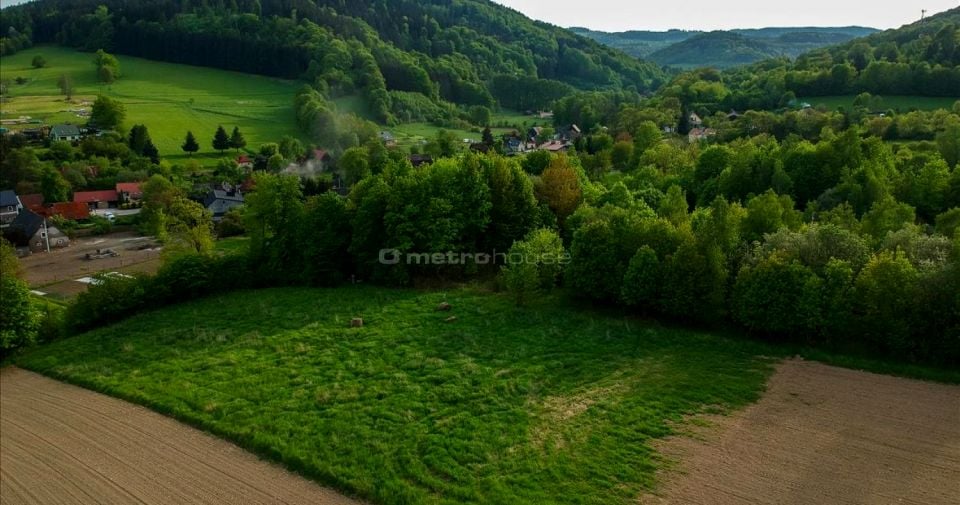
(68, 210)
(244, 161)
(554, 146)
(570, 134)
(31, 230)
(33, 201)
(129, 192)
(513, 146)
(221, 198)
(694, 120)
(97, 199)
(533, 133)
(10, 207)
(387, 138)
(64, 132)
(420, 159)
(699, 134)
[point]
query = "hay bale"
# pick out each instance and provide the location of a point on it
(444, 307)
(356, 322)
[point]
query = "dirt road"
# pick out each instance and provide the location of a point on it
(826, 435)
(66, 445)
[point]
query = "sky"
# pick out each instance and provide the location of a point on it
(622, 15)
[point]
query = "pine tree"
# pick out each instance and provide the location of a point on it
(151, 151)
(487, 136)
(221, 141)
(190, 144)
(236, 139)
(138, 139)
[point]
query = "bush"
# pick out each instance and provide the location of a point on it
(231, 225)
(101, 225)
(19, 319)
(109, 300)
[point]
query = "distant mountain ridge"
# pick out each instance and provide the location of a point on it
(724, 48)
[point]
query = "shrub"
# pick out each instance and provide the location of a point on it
(19, 319)
(231, 225)
(109, 300)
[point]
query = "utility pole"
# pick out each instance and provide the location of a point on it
(46, 234)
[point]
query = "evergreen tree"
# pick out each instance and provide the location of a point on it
(150, 151)
(236, 139)
(139, 138)
(190, 144)
(221, 141)
(487, 137)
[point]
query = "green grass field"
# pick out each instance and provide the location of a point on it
(547, 404)
(898, 103)
(169, 98)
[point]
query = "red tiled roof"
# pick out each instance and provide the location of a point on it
(108, 195)
(70, 210)
(129, 187)
(32, 200)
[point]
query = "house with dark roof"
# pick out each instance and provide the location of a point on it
(570, 133)
(387, 138)
(219, 200)
(66, 132)
(31, 230)
(97, 199)
(694, 120)
(10, 207)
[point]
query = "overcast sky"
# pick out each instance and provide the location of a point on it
(622, 15)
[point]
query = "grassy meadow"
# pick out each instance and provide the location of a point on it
(897, 103)
(545, 404)
(169, 98)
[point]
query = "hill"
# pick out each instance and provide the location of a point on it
(169, 98)
(722, 49)
(916, 60)
(470, 52)
(715, 49)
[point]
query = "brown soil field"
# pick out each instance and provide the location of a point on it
(66, 445)
(823, 435)
(56, 272)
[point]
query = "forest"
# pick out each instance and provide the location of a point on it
(467, 53)
(833, 228)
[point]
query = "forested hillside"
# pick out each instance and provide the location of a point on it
(469, 52)
(722, 49)
(922, 59)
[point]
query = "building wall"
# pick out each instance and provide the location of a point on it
(57, 240)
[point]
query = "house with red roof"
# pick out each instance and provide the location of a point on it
(129, 192)
(33, 201)
(69, 210)
(97, 199)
